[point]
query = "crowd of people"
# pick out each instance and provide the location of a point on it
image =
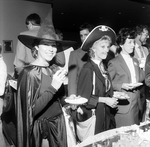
(48, 70)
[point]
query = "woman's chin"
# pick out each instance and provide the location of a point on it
(104, 57)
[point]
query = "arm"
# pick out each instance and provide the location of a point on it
(116, 80)
(43, 100)
(72, 74)
(29, 89)
(85, 87)
(147, 71)
(20, 56)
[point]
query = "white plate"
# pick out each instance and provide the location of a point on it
(76, 101)
(135, 84)
(120, 95)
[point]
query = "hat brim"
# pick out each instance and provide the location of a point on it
(96, 34)
(28, 41)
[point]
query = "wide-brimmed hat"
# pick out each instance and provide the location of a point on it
(96, 34)
(30, 41)
(46, 33)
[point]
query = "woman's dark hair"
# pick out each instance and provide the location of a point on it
(34, 52)
(125, 33)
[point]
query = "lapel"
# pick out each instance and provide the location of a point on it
(145, 51)
(97, 72)
(136, 55)
(136, 69)
(124, 66)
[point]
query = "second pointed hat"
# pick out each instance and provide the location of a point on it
(46, 33)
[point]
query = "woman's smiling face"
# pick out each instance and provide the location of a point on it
(47, 51)
(101, 48)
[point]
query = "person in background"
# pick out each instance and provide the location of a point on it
(71, 137)
(3, 78)
(141, 52)
(97, 44)
(76, 60)
(67, 55)
(147, 82)
(39, 112)
(23, 54)
(124, 70)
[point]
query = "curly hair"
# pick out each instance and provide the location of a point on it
(125, 33)
(140, 28)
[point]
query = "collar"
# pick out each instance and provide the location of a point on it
(96, 61)
(137, 46)
(125, 55)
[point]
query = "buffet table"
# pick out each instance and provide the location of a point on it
(130, 136)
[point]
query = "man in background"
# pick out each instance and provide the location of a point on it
(141, 53)
(67, 55)
(23, 54)
(76, 60)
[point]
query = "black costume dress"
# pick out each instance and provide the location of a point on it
(39, 113)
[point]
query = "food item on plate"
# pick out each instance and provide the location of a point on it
(120, 95)
(73, 96)
(131, 140)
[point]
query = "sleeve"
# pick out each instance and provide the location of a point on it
(116, 80)
(43, 100)
(20, 55)
(72, 75)
(85, 87)
(147, 71)
(3, 77)
(29, 92)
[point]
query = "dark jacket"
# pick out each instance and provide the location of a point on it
(104, 117)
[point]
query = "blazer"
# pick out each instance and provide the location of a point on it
(120, 73)
(76, 61)
(147, 71)
(145, 50)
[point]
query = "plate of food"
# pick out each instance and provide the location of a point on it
(76, 100)
(135, 84)
(120, 95)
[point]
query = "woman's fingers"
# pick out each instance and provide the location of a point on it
(61, 73)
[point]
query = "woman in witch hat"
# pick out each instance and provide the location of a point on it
(39, 113)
